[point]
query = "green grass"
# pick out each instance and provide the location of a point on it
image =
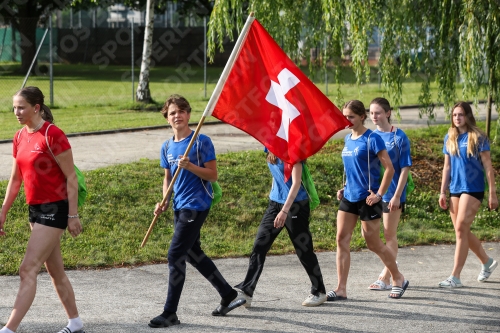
(121, 198)
(88, 99)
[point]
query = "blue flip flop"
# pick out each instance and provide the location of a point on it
(399, 290)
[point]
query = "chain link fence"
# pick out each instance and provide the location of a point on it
(96, 58)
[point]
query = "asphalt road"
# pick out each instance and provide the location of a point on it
(124, 300)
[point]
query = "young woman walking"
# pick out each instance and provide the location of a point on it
(51, 189)
(393, 201)
(288, 208)
(361, 198)
(466, 159)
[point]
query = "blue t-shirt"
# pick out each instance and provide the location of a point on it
(355, 158)
(190, 191)
(280, 189)
(467, 173)
(398, 147)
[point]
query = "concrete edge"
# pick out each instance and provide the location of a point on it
(146, 128)
(124, 130)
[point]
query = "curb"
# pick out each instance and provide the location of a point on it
(125, 130)
(147, 128)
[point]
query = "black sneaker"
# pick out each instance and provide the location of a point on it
(161, 321)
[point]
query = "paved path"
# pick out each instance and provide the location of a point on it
(124, 300)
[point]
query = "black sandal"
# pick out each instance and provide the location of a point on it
(222, 310)
(67, 330)
(160, 321)
(399, 291)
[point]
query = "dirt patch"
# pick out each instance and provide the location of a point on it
(427, 172)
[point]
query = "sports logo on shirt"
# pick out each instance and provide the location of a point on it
(346, 152)
(37, 149)
(173, 161)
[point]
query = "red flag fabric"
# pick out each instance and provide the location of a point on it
(269, 97)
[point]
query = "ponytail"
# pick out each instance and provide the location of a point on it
(46, 113)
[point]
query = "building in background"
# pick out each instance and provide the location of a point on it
(119, 16)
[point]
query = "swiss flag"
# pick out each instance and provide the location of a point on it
(267, 96)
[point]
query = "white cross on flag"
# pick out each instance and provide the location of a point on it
(276, 97)
(267, 96)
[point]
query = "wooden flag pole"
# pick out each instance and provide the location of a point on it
(172, 182)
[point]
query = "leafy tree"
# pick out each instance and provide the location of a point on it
(480, 51)
(441, 40)
(24, 17)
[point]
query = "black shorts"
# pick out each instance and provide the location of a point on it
(478, 195)
(361, 208)
(52, 214)
(385, 206)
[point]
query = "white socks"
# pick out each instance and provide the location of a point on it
(74, 324)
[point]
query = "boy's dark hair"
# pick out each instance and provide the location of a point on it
(178, 100)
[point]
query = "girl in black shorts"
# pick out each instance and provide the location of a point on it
(51, 189)
(361, 197)
(466, 162)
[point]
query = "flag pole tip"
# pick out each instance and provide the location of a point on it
(252, 14)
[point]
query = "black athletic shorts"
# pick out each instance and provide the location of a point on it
(478, 195)
(385, 206)
(52, 214)
(361, 208)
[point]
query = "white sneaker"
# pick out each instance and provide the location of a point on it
(314, 300)
(242, 295)
(484, 275)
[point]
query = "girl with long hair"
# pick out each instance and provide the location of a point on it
(466, 160)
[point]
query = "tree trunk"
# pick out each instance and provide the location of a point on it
(489, 102)
(143, 94)
(27, 30)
